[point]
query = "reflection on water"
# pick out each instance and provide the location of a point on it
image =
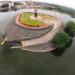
(58, 52)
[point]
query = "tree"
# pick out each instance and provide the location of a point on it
(61, 40)
(70, 28)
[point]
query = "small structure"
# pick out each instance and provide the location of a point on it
(31, 4)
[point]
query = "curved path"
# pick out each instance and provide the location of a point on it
(45, 38)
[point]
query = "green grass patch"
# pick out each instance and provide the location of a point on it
(25, 19)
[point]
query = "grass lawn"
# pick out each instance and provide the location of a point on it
(25, 19)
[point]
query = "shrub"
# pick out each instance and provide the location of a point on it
(70, 28)
(61, 40)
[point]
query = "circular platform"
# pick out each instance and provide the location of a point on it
(31, 38)
(31, 22)
(15, 32)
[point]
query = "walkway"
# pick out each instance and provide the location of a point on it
(32, 44)
(45, 38)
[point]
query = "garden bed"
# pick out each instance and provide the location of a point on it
(26, 20)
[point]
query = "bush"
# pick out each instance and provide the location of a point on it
(70, 28)
(61, 9)
(61, 40)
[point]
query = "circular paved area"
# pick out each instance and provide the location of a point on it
(17, 21)
(37, 48)
(33, 39)
(45, 38)
(15, 32)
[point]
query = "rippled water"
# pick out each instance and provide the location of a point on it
(18, 62)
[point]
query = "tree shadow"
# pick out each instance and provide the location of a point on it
(58, 52)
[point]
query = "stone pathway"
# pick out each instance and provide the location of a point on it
(45, 38)
(37, 48)
(38, 44)
(15, 32)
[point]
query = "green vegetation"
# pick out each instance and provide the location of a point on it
(70, 28)
(61, 40)
(67, 10)
(25, 19)
(61, 9)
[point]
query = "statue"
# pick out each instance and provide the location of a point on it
(35, 7)
(35, 13)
